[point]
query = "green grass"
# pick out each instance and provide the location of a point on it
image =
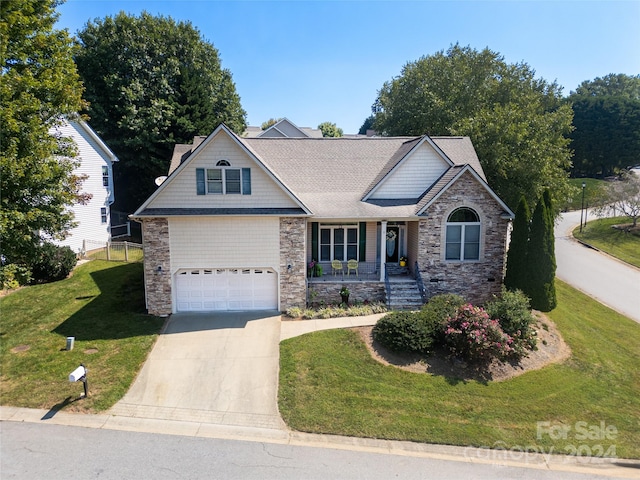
(102, 306)
(593, 190)
(330, 384)
(620, 244)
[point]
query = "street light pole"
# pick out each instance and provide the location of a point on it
(582, 208)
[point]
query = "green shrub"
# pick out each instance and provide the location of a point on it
(52, 263)
(472, 335)
(513, 312)
(403, 332)
(434, 314)
(13, 276)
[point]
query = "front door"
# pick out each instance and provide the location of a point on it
(393, 244)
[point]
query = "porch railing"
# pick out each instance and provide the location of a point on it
(421, 287)
(387, 285)
(366, 271)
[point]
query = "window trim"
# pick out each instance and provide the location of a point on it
(345, 243)
(463, 236)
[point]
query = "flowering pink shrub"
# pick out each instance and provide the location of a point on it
(472, 335)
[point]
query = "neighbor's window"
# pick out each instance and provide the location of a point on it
(463, 235)
(105, 176)
(103, 214)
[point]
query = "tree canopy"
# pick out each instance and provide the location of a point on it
(40, 85)
(366, 125)
(152, 82)
(269, 123)
(606, 116)
(517, 122)
(329, 129)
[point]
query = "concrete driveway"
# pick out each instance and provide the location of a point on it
(219, 368)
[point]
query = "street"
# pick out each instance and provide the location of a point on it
(38, 451)
(604, 278)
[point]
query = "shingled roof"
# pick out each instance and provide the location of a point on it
(332, 176)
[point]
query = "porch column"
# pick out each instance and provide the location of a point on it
(383, 249)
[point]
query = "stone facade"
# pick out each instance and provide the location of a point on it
(478, 280)
(155, 234)
(292, 262)
(329, 292)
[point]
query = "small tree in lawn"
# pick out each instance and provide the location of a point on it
(516, 275)
(623, 198)
(541, 260)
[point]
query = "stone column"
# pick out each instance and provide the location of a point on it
(293, 281)
(157, 265)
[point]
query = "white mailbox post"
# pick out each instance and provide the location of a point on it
(80, 374)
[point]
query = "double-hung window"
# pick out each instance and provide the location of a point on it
(463, 235)
(338, 242)
(103, 214)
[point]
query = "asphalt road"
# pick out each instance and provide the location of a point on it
(610, 281)
(36, 451)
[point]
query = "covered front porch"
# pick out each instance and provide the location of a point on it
(373, 259)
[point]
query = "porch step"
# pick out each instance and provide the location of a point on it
(396, 270)
(404, 296)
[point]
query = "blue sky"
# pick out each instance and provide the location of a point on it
(325, 61)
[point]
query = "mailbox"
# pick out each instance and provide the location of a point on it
(77, 374)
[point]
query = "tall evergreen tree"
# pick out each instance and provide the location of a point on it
(516, 275)
(541, 260)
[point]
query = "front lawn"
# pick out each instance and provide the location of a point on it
(618, 243)
(102, 306)
(329, 383)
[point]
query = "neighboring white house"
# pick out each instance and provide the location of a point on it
(96, 164)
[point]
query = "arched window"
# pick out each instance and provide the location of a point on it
(223, 163)
(463, 235)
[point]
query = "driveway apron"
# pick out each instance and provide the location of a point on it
(219, 368)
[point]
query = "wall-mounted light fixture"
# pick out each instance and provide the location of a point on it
(159, 269)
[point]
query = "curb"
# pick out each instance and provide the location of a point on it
(519, 458)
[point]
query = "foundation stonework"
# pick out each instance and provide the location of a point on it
(292, 262)
(478, 280)
(329, 292)
(157, 265)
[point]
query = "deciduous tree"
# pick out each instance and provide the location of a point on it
(39, 86)
(329, 129)
(517, 122)
(152, 82)
(606, 116)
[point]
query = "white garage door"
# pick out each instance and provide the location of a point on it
(215, 289)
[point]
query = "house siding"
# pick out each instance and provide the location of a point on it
(292, 253)
(478, 280)
(88, 216)
(157, 253)
(412, 177)
(224, 242)
(181, 191)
